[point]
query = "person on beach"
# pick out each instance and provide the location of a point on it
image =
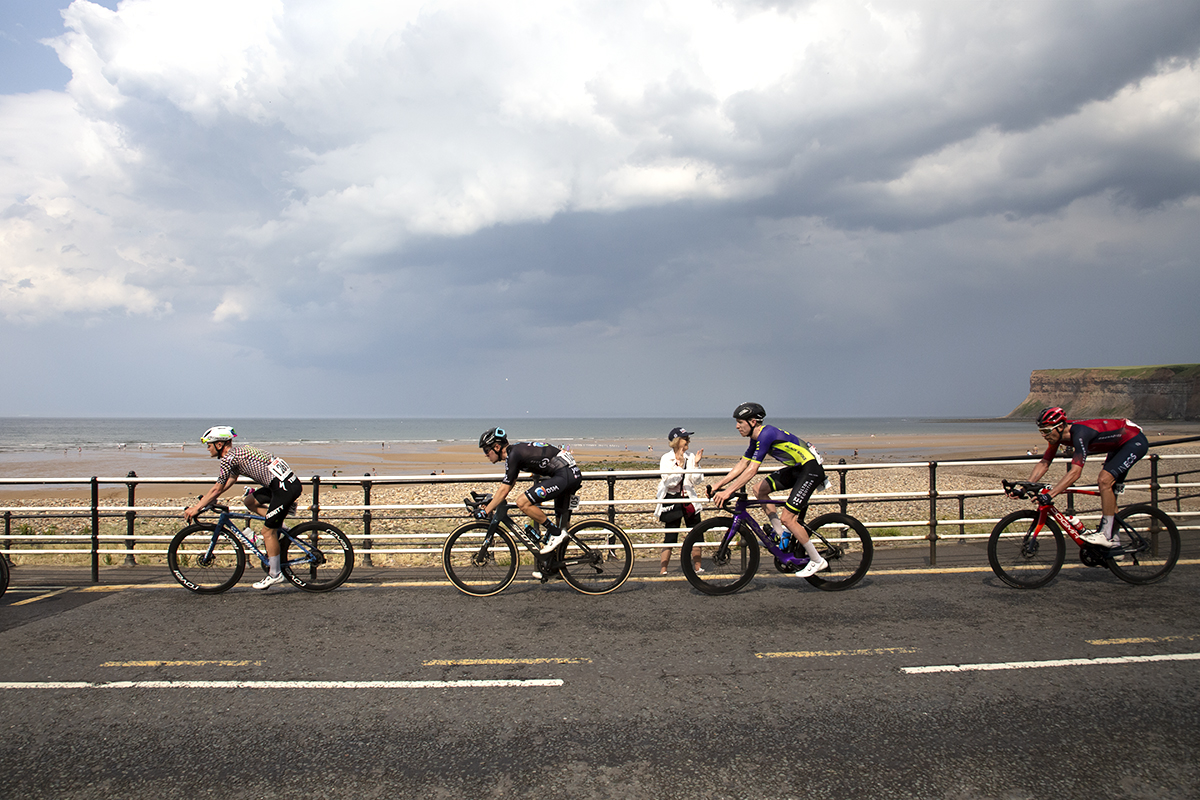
(679, 479)
(1125, 444)
(802, 473)
(560, 478)
(275, 499)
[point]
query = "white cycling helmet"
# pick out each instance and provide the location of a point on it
(218, 433)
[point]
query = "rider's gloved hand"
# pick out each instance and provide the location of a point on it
(1044, 497)
(480, 514)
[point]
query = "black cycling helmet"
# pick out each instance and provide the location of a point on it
(491, 436)
(1051, 417)
(749, 412)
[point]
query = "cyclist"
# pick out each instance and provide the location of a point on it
(560, 478)
(1121, 439)
(802, 474)
(275, 499)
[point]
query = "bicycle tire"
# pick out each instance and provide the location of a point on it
(1160, 546)
(723, 572)
(844, 542)
(613, 557)
(335, 551)
(3, 574)
(1019, 565)
(470, 572)
(223, 569)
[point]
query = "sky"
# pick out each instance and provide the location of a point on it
(566, 209)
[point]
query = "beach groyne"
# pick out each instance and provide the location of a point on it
(1168, 392)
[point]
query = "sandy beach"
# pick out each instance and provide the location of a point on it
(420, 459)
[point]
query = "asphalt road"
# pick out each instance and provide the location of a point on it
(654, 691)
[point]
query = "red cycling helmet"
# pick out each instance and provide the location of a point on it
(1050, 417)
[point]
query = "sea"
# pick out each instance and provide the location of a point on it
(49, 434)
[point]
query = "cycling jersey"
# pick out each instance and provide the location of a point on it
(257, 465)
(1095, 436)
(537, 457)
(780, 445)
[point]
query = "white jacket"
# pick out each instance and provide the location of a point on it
(674, 476)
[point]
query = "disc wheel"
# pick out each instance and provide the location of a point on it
(725, 566)
(321, 558)
(1150, 541)
(1019, 558)
(844, 543)
(473, 569)
(205, 565)
(603, 562)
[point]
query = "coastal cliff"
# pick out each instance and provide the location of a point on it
(1170, 392)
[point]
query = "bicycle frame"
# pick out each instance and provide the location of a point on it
(224, 523)
(1015, 489)
(741, 513)
(501, 518)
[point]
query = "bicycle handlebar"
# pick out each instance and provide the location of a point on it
(1023, 490)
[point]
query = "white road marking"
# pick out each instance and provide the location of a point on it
(1060, 662)
(479, 684)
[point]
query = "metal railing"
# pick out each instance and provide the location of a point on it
(372, 524)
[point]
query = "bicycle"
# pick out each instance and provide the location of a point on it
(209, 558)
(1149, 541)
(3, 574)
(731, 545)
(481, 559)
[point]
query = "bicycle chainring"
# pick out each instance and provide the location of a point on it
(786, 569)
(1091, 556)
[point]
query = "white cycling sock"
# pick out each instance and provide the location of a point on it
(274, 566)
(1106, 526)
(809, 548)
(776, 524)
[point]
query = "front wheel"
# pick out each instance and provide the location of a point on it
(1022, 558)
(206, 560)
(317, 557)
(597, 557)
(844, 543)
(728, 559)
(1151, 545)
(478, 565)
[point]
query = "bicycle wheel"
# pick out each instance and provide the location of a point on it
(476, 571)
(844, 542)
(725, 568)
(1151, 543)
(605, 564)
(188, 557)
(3, 574)
(318, 557)
(1020, 559)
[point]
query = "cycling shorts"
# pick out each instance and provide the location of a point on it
(1120, 461)
(278, 496)
(802, 479)
(558, 487)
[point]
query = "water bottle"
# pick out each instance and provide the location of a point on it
(252, 536)
(1076, 523)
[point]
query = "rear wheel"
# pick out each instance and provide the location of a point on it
(205, 564)
(604, 561)
(477, 570)
(1150, 541)
(725, 566)
(320, 559)
(844, 542)
(1021, 559)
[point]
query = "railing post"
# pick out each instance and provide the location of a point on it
(130, 515)
(612, 495)
(843, 504)
(316, 501)
(8, 541)
(962, 514)
(366, 556)
(95, 530)
(1154, 480)
(933, 493)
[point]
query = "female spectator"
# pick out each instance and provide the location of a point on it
(678, 480)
